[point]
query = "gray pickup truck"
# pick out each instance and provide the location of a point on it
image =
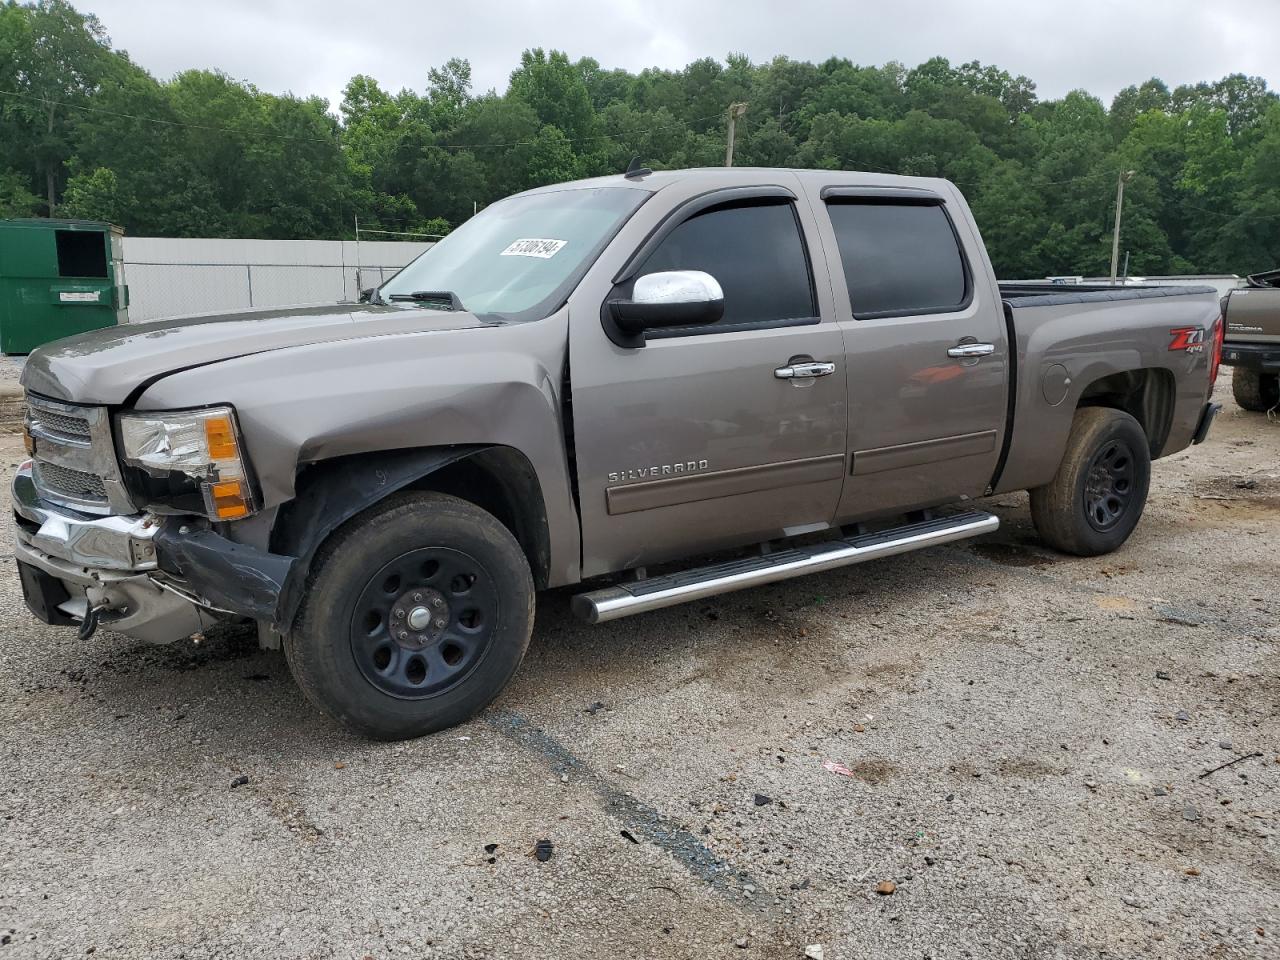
(1252, 345)
(776, 371)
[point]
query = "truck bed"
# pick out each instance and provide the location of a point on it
(1065, 338)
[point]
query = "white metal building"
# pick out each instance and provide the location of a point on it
(170, 277)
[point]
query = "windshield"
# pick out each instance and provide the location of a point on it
(519, 257)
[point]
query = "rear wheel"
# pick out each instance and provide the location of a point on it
(1097, 496)
(1255, 390)
(417, 614)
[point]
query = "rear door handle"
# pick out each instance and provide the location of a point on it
(805, 371)
(969, 350)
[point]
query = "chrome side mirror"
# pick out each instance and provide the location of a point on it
(673, 298)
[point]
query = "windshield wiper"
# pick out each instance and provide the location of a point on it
(446, 298)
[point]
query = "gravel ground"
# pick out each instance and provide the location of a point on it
(1026, 735)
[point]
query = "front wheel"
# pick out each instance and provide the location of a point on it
(1255, 390)
(417, 614)
(1097, 496)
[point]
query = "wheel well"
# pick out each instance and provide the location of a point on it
(502, 481)
(329, 493)
(1147, 395)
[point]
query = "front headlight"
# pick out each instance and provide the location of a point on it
(203, 445)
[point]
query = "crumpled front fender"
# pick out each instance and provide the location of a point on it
(267, 585)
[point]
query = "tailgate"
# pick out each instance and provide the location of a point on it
(1253, 315)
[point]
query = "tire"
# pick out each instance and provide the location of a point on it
(456, 586)
(1255, 390)
(1097, 496)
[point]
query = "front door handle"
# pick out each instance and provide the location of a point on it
(971, 350)
(805, 371)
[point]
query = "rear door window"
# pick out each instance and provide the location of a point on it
(899, 258)
(755, 252)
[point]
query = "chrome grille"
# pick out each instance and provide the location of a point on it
(60, 424)
(65, 482)
(74, 462)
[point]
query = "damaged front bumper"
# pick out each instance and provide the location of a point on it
(158, 580)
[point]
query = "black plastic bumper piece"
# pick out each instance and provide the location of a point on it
(1207, 416)
(225, 575)
(1252, 356)
(43, 593)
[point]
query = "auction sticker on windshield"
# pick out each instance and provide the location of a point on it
(540, 248)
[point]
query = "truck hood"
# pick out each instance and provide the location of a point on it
(107, 366)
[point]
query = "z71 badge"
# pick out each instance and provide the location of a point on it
(1190, 339)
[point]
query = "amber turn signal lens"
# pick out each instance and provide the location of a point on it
(221, 437)
(28, 442)
(229, 499)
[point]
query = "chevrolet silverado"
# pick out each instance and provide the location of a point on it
(785, 371)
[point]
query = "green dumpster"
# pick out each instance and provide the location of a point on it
(58, 277)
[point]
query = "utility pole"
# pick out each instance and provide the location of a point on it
(1125, 177)
(736, 110)
(358, 256)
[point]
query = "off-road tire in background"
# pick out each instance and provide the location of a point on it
(1096, 498)
(1255, 390)
(416, 615)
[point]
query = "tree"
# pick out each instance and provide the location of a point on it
(1132, 102)
(449, 90)
(556, 91)
(57, 56)
(205, 155)
(1248, 237)
(1246, 100)
(15, 199)
(97, 196)
(1016, 94)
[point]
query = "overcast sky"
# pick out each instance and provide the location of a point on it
(314, 47)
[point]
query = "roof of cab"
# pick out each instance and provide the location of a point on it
(658, 179)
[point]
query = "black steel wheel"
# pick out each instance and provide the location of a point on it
(1109, 485)
(424, 621)
(417, 614)
(1098, 494)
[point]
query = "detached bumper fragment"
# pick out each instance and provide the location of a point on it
(1211, 410)
(228, 576)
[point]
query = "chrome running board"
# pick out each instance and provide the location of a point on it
(624, 599)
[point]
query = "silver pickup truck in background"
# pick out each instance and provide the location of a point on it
(1252, 344)
(590, 383)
